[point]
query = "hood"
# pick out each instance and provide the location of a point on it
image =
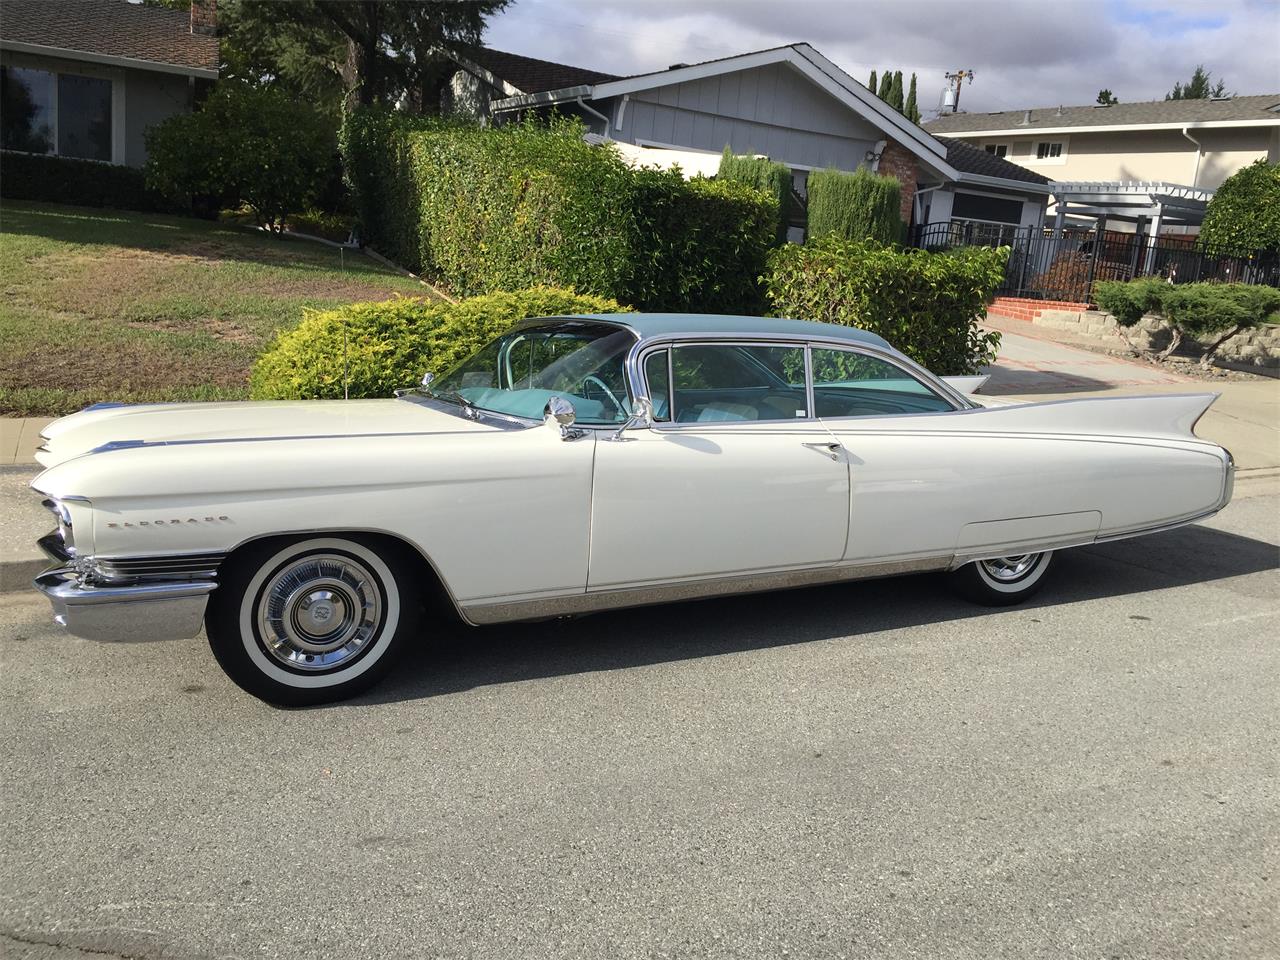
(166, 423)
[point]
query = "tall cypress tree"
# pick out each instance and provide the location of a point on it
(912, 109)
(895, 91)
(886, 80)
(871, 84)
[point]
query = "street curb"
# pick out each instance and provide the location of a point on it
(16, 575)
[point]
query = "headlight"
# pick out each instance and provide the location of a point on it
(66, 532)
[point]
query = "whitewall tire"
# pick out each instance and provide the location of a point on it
(311, 620)
(1002, 581)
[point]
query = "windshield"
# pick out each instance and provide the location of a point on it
(518, 373)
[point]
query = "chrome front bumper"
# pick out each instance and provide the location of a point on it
(125, 614)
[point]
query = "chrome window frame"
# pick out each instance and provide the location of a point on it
(638, 386)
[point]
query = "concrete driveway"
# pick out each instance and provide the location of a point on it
(872, 770)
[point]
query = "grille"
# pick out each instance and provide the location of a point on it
(189, 566)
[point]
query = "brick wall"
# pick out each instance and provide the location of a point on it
(1028, 308)
(898, 162)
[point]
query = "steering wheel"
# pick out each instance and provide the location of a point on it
(592, 378)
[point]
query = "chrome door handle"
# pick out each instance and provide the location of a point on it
(831, 450)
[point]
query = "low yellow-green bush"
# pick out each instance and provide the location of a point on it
(373, 348)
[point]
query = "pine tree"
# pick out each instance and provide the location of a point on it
(912, 109)
(871, 84)
(886, 80)
(895, 91)
(1199, 87)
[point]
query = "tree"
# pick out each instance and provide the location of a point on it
(895, 91)
(872, 85)
(886, 80)
(376, 51)
(1199, 87)
(912, 109)
(1107, 99)
(1244, 213)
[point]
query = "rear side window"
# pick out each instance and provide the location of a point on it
(717, 383)
(851, 384)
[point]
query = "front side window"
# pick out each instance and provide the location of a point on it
(657, 376)
(518, 373)
(716, 383)
(851, 384)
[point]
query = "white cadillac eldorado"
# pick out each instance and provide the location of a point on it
(582, 463)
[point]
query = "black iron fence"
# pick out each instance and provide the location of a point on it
(1048, 265)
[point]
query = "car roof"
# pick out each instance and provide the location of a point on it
(657, 325)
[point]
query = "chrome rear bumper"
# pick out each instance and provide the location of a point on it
(135, 613)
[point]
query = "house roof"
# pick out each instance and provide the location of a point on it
(109, 31)
(967, 158)
(530, 75)
(1264, 108)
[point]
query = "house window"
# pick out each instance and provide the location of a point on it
(998, 149)
(1049, 150)
(57, 113)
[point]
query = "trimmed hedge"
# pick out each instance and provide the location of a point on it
(84, 183)
(487, 209)
(762, 174)
(391, 344)
(855, 206)
(926, 304)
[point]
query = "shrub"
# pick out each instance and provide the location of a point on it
(701, 245)
(764, 175)
(1213, 312)
(244, 145)
(926, 304)
(855, 206)
(1244, 213)
(486, 209)
(374, 348)
(84, 183)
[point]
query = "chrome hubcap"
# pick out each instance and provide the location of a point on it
(319, 612)
(1006, 569)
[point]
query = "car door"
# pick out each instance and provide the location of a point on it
(928, 480)
(735, 477)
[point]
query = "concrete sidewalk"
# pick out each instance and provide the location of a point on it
(19, 438)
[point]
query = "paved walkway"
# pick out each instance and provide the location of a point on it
(19, 439)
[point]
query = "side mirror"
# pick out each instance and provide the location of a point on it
(641, 418)
(559, 413)
(427, 379)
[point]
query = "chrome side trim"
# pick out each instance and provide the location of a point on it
(138, 613)
(192, 566)
(578, 603)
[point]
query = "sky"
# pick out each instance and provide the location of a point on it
(1023, 53)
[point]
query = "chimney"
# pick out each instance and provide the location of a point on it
(204, 17)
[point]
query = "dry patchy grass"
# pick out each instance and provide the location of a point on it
(105, 305)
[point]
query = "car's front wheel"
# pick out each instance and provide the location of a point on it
(1002, 581)
(310, 620)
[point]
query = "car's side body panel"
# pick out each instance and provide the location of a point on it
(716, 500)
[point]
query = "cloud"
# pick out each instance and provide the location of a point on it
(1025, 53)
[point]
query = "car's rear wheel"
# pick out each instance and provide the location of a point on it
(1002, 581)
(310, 620)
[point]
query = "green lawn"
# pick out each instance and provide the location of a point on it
(109, 305)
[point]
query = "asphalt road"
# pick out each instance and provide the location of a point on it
(872, 770)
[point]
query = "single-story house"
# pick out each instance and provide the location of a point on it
(85, 79)
(788, 103)
(1197, 143)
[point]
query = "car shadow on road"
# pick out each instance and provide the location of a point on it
(1017, 380)
(464, 658)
